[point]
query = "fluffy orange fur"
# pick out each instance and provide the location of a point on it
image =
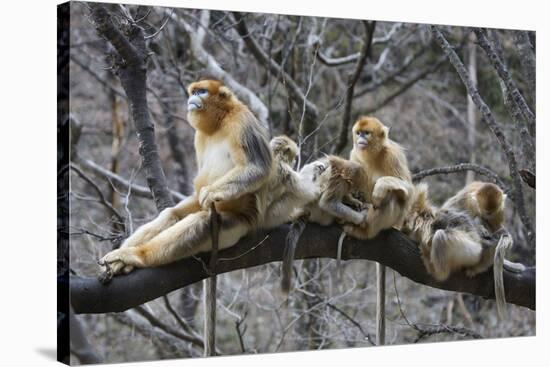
(233, 163)
(483, 200)
(388, 177)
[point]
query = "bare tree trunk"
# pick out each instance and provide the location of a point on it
(131, 68)
(117, 124)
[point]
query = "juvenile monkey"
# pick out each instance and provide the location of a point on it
(388, 189)
(234, 162)
(338, 181)
(451, 238)
(285, 193)
(388, 184)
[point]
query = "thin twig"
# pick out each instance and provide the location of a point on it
(495, 127)
(100, 195)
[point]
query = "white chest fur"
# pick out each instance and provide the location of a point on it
(216, 161)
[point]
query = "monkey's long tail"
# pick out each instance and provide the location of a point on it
(296, 229)
(339, 253)
(210, 288)
(503, 245)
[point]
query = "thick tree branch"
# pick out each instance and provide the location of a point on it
(527, 60)
(390, 248)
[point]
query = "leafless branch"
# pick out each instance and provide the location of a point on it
(352, 81)
(121, 182)
(495, 127)
(98, 191)
(461, 167)
(504, 74)
(390, 248)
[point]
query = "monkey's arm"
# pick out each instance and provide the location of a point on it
(343, 212)
(377, 219)
(350, 200)
(253, 164)
(387, 185)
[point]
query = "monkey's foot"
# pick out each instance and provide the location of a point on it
(120, 261)
(356, 232)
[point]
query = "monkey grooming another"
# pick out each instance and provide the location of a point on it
(465, 234)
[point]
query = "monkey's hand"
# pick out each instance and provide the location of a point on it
(208, 195)
(364, 214)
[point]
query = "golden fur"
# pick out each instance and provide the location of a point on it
(388, 186)
(455, 237)
(234, 162)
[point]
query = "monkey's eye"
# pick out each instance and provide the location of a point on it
(200, 91)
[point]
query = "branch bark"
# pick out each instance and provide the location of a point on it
(196, 39)
(390, 248)
(131, 69)
(271, 65)
(352, 81)
(461, 167)
(506, 77)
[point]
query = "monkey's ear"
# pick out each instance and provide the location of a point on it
(224, 92)
(504, 197)
(385, 131)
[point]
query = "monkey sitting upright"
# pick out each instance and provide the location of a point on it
(388, 185)
(234, 163)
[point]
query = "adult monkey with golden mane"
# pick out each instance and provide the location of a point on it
(389, 188)
(233, 162)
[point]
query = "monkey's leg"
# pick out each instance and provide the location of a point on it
(452, 250)
(165, 219)
(378, 219)
(187, 237)
(489, 243)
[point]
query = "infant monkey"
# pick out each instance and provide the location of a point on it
(337, 185)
